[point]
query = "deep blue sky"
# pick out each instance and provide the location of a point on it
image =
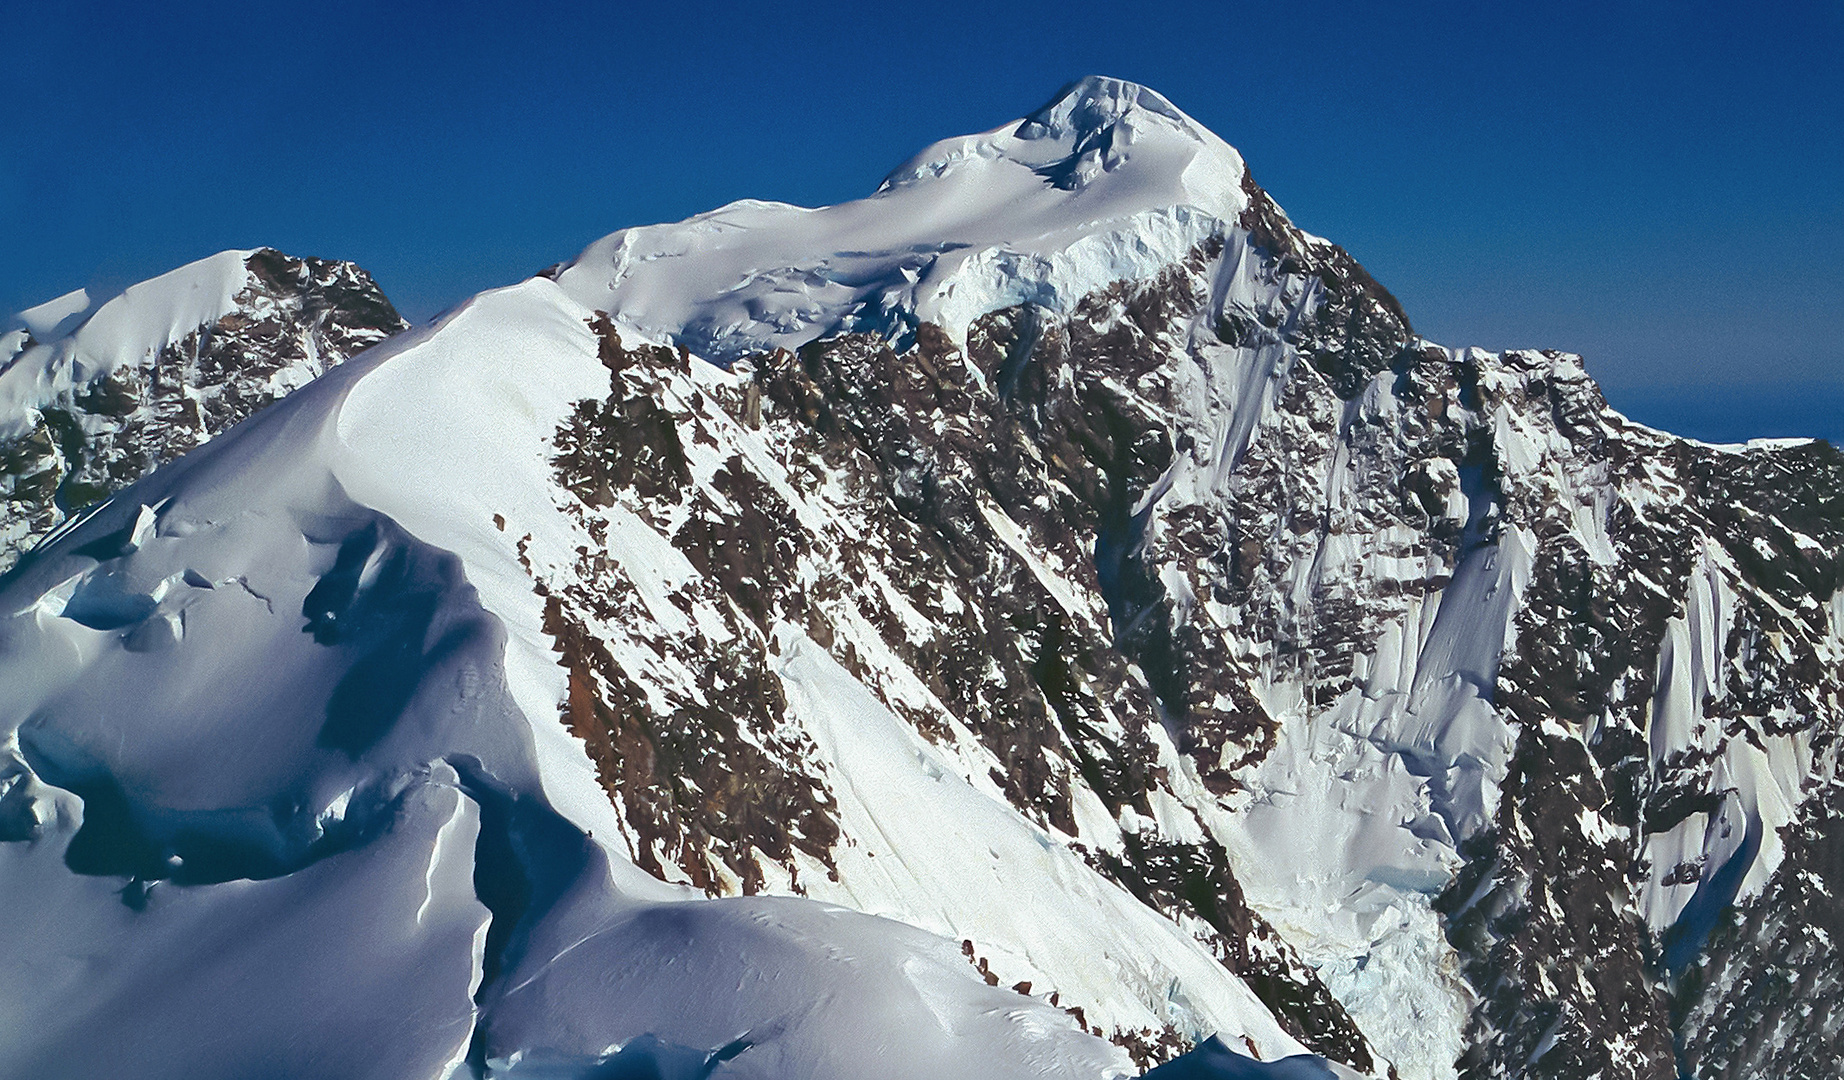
(1657, 186)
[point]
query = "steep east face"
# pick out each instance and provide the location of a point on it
(1057, 551)
(91, 399)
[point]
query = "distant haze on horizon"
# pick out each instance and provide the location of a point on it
(1654, 186)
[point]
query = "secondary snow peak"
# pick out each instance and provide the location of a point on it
(96, 391)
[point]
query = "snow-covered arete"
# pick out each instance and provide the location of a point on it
(133, 327)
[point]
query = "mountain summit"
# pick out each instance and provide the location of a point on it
(1109, 132)
(1106, 183)
(1049, 618)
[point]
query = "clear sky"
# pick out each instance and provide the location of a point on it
(1657, 186)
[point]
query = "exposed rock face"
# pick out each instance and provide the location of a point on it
(103, 421)
(1663, 732)
(1766, 1000)
(938, 478)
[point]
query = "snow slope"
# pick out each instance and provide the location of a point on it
(543, 358)
(376, 764)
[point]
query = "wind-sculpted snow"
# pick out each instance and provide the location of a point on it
(234, 819)
(1052, 617)
(288, 793)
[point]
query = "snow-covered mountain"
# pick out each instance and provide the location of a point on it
(1027, 622)
(92, 396)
